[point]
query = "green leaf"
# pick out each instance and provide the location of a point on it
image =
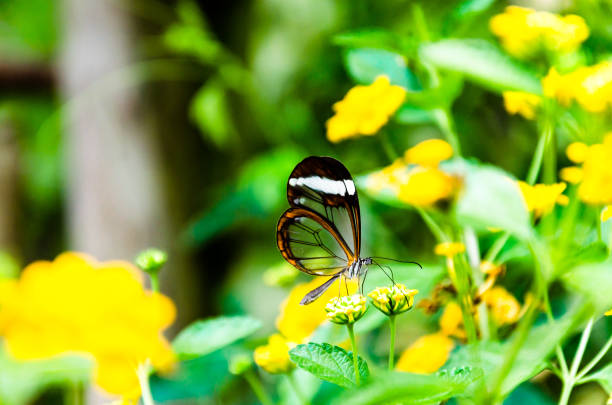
(366, 64)
(489, 197)
(210, 111)
(531, 358)
(591, 280)
(442, 96)
(22, 382)
(203, 337)
(407, 388)
(329, 363)
(408, 114)
(377, 39)
(470, 7)
(481, 62)
(603, 377)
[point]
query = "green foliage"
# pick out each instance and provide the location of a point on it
(491, 198)
(365, 64)
(23, 382)
(410, 388)
(329, 363)
(482, 63)
(203, 337)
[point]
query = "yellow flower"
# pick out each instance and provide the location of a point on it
(346, 310)
(426, 355)
(425, 186)
(572, 174)
(596, 185)
(365, 109)
(524, 32)
(518, 102)
(449, 249)
(504, 307)
(297, 322)
(606, 213)
(608, 313)
(541, 198)
(577, 152)
(393, 300)
(451, 321)
(274, 357)
(75, 304)
(590, 86)
(429, 153)
(490, 268)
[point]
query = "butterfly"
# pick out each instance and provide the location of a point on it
(320, 234)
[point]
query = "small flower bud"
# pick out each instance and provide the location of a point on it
(346, 310)
(274, 357)
(151, 260)
(393, 300)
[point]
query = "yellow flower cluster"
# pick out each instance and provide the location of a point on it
(589, 86)
(428, 353)
(364, 109)
(393, 300)
(449, 249)
(346, 310)
(296, 323)
(75, 304)
(524, 32)
(518, 102)
(416, 178)
(595, 175)
(274, 357)
(541, 198)
(504, 308)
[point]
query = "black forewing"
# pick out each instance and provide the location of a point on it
(325, 186)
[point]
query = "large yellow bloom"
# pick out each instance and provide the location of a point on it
(504, 307)
(429, 153)
(297, 322)
(365, 109)
(518, 102)
(274, 357)
(589, 86)
(426, 355)
(524, 32)
(75, 304)
(541, 198)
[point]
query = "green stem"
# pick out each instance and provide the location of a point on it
(143, 380)
(570, 380)
(257, 387)
(432, 225)
(392, 343)
(536, 162)
(155, 282)
(296, 389)
(463, 293)
(595, 360)
(387, 146)
(445, 122)
(74, 393)
(351, 333)
(497, 247)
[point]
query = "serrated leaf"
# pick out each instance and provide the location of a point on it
(203, 337)
(329, 363)
(490, 198)
(366, 64)
(407, 388)
(481, 62)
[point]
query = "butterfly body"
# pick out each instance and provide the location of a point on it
(320, 234)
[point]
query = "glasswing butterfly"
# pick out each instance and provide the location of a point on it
(320, 234)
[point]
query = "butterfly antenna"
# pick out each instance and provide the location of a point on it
(346, 287)
(363, 282)
(399, 261)
(383, 270)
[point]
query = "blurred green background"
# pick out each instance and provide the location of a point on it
(126, 124)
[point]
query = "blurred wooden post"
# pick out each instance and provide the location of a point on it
(115, 206)
(8, 186)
